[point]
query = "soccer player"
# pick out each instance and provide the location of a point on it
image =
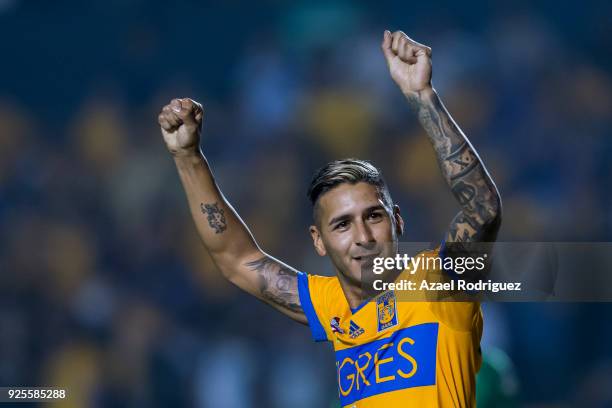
(388, 353)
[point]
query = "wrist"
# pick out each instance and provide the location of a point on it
(187, 157)
(420, 95)
(190, 152)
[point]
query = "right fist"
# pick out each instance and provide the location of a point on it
(181, 124)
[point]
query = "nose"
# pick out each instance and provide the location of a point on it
(363, 235)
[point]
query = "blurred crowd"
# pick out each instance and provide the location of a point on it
(105, 288)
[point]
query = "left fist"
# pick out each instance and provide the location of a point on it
(409, 62)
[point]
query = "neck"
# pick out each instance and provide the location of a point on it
(354, 293)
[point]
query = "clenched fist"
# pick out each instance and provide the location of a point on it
(181, 124)
(409, 62)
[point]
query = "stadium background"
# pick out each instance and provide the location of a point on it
(104, 287)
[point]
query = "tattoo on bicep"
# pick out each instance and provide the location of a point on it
(463, 228)
(476, 193)
(464, 193)
(215, 217)
(467, 228)
(480, 207)
(277, 283)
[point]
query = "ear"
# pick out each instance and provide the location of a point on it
(317, 240)
(399, 221)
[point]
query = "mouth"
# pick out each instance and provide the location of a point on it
(366, 258)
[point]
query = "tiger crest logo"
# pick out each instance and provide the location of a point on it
(387, 310)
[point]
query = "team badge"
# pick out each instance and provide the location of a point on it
(335, 325)
(355, 331)
(387, 310)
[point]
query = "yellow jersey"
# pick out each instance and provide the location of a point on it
(392, 353)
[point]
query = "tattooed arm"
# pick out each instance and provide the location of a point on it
(225, 236)
(464, 172)
(480, 216)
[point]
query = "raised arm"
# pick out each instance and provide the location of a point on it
(480, 216)
(224, 234)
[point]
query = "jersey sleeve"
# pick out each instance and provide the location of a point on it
(314, 292)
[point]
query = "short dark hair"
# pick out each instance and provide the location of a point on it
(350, 171)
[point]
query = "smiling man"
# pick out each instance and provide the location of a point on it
(388, 352)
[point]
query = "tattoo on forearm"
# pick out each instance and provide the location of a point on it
(463, 171)
(277, 283)
(215, 217)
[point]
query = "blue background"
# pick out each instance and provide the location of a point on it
(104, 286)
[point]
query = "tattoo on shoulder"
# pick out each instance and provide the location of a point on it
(277, 283)
(215, 217)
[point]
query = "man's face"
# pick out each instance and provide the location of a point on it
(354, 226)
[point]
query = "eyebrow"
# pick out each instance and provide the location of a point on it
(345, 217)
